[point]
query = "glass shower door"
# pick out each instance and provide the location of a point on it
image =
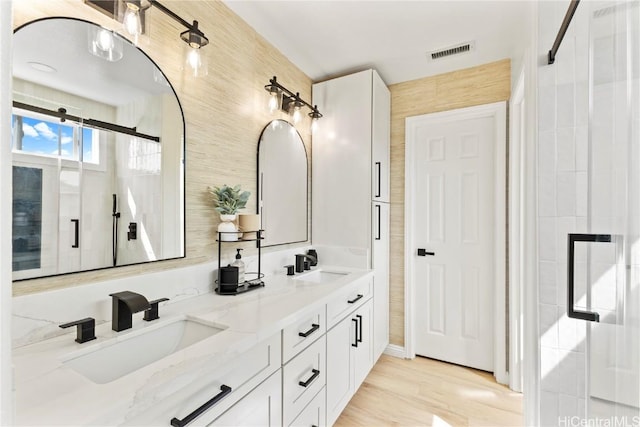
(613, 267)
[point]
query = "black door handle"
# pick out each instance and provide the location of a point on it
(423, 252)
(591, 316)
(314, 327)
(224, 390)
(310, 380)
(359, 327)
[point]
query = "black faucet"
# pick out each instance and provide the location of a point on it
(300, 258)
(123, 305)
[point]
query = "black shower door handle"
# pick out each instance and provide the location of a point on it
(591, 316)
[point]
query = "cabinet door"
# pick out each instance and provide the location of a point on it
(381, 278)
(261, 407)
(341, 172)
(363, 353)
(380, 139)
(340, 385)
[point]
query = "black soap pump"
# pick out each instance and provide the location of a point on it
(240, 264)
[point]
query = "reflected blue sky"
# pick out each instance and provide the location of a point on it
(52, 139)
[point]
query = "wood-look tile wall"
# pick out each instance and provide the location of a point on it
(224, 111)
(465, 88)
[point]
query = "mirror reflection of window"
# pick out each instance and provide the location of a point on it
(44, 137)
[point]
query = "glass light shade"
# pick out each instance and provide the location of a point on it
(195, 63)
(297, 114)
(274, 102)
(314, 125)
(105, 44)
(131, 22)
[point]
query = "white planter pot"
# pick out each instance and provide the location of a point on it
(228, 227)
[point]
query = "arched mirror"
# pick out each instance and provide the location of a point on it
(98, 152)
(282, 184)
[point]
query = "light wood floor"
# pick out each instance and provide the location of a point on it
(425, 392)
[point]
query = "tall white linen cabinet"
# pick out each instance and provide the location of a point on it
(350, 183)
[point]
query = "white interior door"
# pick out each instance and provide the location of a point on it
(452, 227)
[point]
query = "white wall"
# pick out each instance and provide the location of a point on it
(6, 377)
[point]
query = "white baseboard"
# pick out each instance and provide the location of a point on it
(395, 351)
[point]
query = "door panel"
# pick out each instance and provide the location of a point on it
(613, 343)
(454, 176)
(381, 278)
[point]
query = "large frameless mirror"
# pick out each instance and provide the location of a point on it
(98, 152)
(282, 184)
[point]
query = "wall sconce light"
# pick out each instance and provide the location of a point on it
(283, 98)
(132, 22)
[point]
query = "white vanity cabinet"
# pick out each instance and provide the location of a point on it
(351, 168)
(349, 358)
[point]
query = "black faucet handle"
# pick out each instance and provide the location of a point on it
(300, 262)
(86, 329)
(152, 312)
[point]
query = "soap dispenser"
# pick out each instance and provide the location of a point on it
(240, 264)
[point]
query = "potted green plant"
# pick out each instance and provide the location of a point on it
(228, 200)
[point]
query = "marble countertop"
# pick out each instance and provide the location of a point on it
(47, 392)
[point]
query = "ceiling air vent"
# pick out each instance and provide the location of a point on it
(452, 50)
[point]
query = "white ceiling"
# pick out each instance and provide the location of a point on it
(325, 38)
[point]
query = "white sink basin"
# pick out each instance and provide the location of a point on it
(321, 276)
(113, 359)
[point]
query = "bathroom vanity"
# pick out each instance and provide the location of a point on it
(291, 353)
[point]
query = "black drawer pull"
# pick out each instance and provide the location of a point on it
(224, 390)
(355, 299)
(355, 342)
(310, 380)
(314, 327)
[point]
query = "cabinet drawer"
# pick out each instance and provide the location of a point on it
(347, 302)
(262, 407)
(302, 379)
(314, 414)
(301, 334)
(242, 375)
